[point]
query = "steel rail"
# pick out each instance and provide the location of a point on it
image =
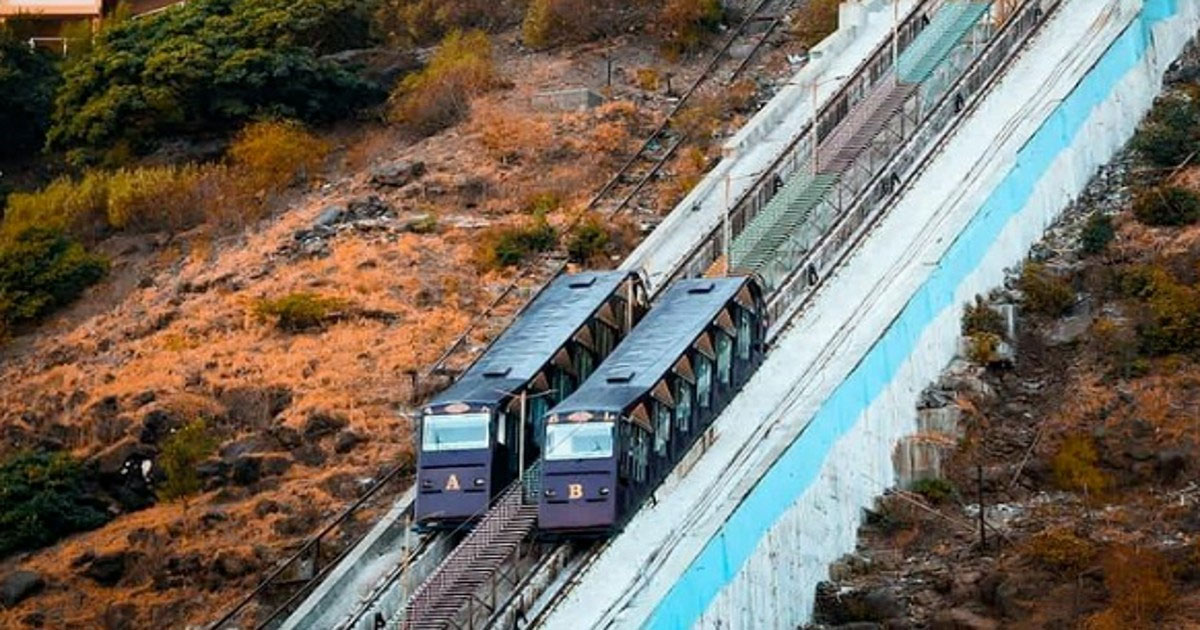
(826, 117)
(527, 271)
(969, 107)
(593, 554)
(314, 542)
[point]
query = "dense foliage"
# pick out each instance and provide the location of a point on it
(1171, 132)
(440, 95)
(209, 65)
(42, 499)
(28, 79)
(1166, 206)
(295, 312)
(182, 452)
(40, 270)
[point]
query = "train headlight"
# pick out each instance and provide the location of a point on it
(479, 482)
(549, 492)
(426, 483)
(603, 492)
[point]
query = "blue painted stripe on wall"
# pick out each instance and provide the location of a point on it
(783, 484)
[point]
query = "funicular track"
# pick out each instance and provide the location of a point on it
(622, 191)
(956, 95)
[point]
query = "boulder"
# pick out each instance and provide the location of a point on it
(397, 173)
(255, 407)
(321, 423)
(961, 619)
(310, 455)
(106, 407)
(107, 569)
(329, 216)
(275, 465)
(246, 470)
(157, 423)
(115, 460)
(287, 437)
(346, 441)
(232, 565)
(120, 617)
(1171, 463)
(18, 586)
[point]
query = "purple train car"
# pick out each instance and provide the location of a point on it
(477, 434)
(609, 444)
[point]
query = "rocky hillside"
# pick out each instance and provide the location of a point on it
(291, 342)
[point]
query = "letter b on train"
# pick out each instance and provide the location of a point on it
(574, 491)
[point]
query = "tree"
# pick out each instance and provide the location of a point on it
(28, 80)
(41, 270)
(42, 499)
(182, 451)
(210, 65)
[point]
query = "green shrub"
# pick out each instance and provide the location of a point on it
(1045, 292)
(269, 156)
(28, 80)
(210, 65)
(299, 311)
(588, 240)
(1166, 206)
(1172, 320)
(138, 199)
(76, 206)
(508, 245)
(937, 491)
(41, 270)
(1097, 233)
(1074, 466)
(981, 318)
(181, 453)
(42, 499)
(440, 95)
(1171, 131)
(983, 348)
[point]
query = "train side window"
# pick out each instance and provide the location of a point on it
(703, 381)
(639, 455)
(501, 432)
(724, 357)
(662, 428)
(744, 332)
(563, 385)
(683, 405)
(604, 339)
(584, 363)
(538, 406)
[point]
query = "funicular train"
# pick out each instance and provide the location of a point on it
(609, 395)
(610, 443)
(477, 434)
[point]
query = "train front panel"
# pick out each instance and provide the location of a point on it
(579, 483)
(454, 466)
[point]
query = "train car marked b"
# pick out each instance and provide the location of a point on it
(574, 491)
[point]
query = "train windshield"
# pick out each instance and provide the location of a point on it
(579, 440)
(455, 433)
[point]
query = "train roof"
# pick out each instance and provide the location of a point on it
(544, 326)
(654, 345)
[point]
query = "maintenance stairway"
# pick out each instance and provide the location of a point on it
(484, 558)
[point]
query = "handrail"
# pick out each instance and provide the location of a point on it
(314, 542)
(827, 117)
